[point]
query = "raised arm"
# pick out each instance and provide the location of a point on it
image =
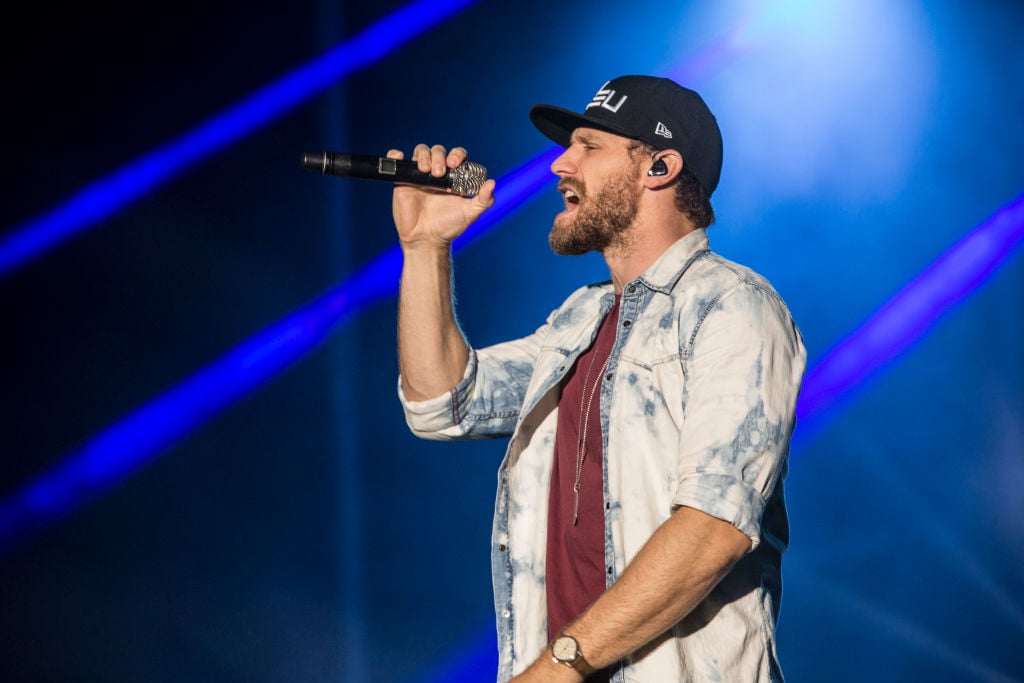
(432, 352)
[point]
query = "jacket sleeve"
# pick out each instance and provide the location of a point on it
(743, 370)
(487, 401)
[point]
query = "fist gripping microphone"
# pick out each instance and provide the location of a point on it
(465, 179)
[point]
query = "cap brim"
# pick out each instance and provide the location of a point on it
(557, 124)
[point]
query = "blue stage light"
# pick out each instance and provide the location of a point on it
(906, 317)
(123, 448)
(109, 195)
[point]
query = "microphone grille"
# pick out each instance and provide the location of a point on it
(467, 178)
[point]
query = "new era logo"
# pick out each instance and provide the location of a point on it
(662, 130)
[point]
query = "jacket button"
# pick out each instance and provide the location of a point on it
(609, 376)
(626, 323)
(501, 547)
(505, 613)
(609, 571)
(631, 289)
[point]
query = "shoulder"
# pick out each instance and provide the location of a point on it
(717, 288)
(716, 273)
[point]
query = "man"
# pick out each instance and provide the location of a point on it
(640, 521)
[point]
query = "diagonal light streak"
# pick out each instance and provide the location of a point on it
(138, 438)
(908, 315)
(107, 196)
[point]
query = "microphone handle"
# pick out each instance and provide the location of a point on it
(465, 182)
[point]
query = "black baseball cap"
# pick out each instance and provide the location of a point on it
(654, 110)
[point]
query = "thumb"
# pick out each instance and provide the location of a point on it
(483, 200)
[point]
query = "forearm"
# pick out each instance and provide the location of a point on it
(432, 352)
(675, 570)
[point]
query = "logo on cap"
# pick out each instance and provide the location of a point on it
(603, 99)
(663, 130)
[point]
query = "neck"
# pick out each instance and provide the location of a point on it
(643, 244)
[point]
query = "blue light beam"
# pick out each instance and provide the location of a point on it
(908, 315)
(103, 198)
(128, 445)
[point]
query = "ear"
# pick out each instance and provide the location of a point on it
(663, 169)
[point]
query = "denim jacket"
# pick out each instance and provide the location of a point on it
(697, 409)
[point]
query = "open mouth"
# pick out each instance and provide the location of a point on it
(572, 200)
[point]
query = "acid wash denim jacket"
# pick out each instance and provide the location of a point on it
(697, 409)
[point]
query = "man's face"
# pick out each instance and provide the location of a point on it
(601, 191)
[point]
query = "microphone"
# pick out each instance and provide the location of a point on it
(465, 179)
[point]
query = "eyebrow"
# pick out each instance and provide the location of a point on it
(582, 138)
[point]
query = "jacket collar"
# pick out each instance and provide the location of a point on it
(664, 273)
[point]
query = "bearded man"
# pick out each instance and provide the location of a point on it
(640, 519)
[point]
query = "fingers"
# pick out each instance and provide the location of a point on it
(430, 159)
(436, 160)
(395, 154)
(456, 156)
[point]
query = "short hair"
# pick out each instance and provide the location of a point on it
(692, 199)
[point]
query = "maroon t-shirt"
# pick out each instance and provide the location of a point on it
(575, 552)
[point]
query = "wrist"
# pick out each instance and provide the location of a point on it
(565, 651)
(426, 245)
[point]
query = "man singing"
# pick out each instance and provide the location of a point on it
(640, 520)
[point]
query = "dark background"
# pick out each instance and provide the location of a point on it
(302, 533)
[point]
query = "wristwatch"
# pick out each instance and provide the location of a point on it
(566, 650)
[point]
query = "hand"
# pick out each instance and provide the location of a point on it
(429, 216)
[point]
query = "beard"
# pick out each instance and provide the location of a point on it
(600, 221)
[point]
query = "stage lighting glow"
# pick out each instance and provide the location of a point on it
(123, 448)
(475, 660)
(109, 195)
(907, 316)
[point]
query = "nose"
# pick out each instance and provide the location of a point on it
(563, 164)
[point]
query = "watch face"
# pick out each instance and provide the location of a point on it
(564, 648)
